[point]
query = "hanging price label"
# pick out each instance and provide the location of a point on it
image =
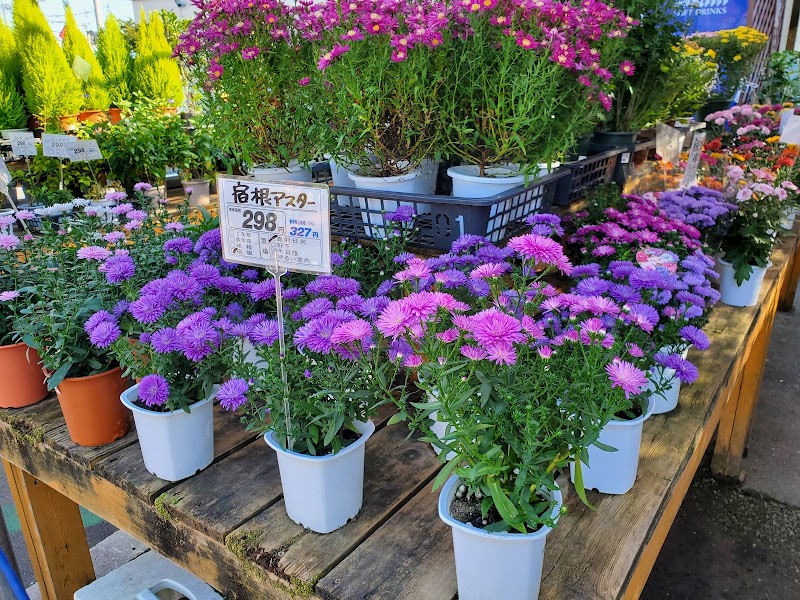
(263, 222)
(84, 150)
(690, 174)
(5, 177)
(56, 145)
(669, 143)
(23, 144)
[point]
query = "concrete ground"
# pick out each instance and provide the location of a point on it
(742, 542)
(728, 542)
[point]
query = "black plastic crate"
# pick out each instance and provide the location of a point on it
(585, 175)
(441, 220)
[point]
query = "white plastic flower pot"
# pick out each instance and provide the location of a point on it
(467, 183)
(175, 445)
(440, 429)
(201, 192)
(251, 355)
(322, 493)
(426, 182)
(495, 566)
(341, 178)
(398, 183)
(788, 222)
(746, 294)
(615, 472)
(294, 171)
(667, 400)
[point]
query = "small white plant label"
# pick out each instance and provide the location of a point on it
(84, 150)
(23, 144)
(56, 145)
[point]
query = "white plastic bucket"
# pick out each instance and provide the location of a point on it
(322, 493)
(746, 294)
(426, 182)
(615, 472)
(495, 566)
(175, 445)
(398, 183)
(667, 400)
(440, 429)
(788, 221)
(467, 183)
(293, 172)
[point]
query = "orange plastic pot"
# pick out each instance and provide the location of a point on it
(22, 377)
(92, 408)
(92, 116)
(115, 115)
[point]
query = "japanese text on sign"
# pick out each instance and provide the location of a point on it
(690, 175)
(84, 150)
(261, 220)
(56, 145)
(23, 143)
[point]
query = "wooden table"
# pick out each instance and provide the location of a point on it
(228, 524)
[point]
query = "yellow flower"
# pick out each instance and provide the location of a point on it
(738, 157)
(737, 58)
(711, 53)
(788, 105)
(773, 139)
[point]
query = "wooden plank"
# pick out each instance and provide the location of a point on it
(53, 530)
(789, 287)
(409, 558)
(32, 422)
(208, 559)
(258, 485)
(89, 456)
(126, 467)
(298, 555)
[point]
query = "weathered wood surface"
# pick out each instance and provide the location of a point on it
(228, 524)
(789, 289)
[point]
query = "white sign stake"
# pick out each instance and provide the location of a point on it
(23, 144)
(56, 145)
(690, 174)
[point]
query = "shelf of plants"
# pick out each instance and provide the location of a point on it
(533, 367)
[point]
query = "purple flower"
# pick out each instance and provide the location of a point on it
(316, 334)
(473, 352)
(9, 295)
(468, 240)
(333, 285)
(114, 237)
(142, 186)
(147, 309)
(265, 333)
(174, 226)
(25, 215)
(204, 273)
(352, 303)
(492, 327)
(624, 294)
(91, 253)
(184, 245)
(592, 286)
(541, 250)
(197, 337)
(626, 376)
(165, 340)
(136, 215)
(489, 270)
(404, 214)
(231, 394)
(684, 370)
(385, 287)
(590, 270)
(101, 316)
(250, 274)
(153, 390)
(104, 334)
(695, 336)
(119, 268)
(643, 316)
(478, 288)
(399, 349)
(371, 307)
(620, 268)
(182, 286)
(315, 308)
(264, 290)
(122, 208)
(211, 241)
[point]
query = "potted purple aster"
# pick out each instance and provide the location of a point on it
(525, 377)
(170, 338)
(328, 374)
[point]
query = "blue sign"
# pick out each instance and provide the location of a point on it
(714, 15)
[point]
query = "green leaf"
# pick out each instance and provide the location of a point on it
(579, 487)
(58, 376)
(504, 506)
(444, 474)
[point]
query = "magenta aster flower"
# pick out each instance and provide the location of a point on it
(250, 52)
(473, 352)
(231, 395)
(153, 390)
(626, 376)
(627, 68)
(695, 336)
(502, 353)
(114, 237)
(395, 319)
(492, 327)
(489, 270)
(25, 215)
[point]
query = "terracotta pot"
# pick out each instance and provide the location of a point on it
(115, 115)
(169, 110)
(92, 116)
(92, 408)
(23, 380)
(68, 122)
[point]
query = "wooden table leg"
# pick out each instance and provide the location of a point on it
(54, 534)
(789, 287)
(737, 417)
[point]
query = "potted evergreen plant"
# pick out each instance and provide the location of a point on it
(81, 58)
(13, 116)
(114, 56)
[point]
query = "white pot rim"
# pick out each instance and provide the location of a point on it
(293, 166)
(365, 428)
(727, 264)
(507, 174)
(622, 424)
(392, 179)
(445, 496)
(132, 393)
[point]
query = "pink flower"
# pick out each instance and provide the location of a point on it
(215, 70)
(250, 52)
(627, 68)
(304, 81)
(626, 376)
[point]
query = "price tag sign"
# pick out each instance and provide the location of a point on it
(23, 144)
(84, 150)
(5, 177)
(690, 174)
(786, 114)
(791, 131)
(56, 145)
(669, 143)
(261, 220)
